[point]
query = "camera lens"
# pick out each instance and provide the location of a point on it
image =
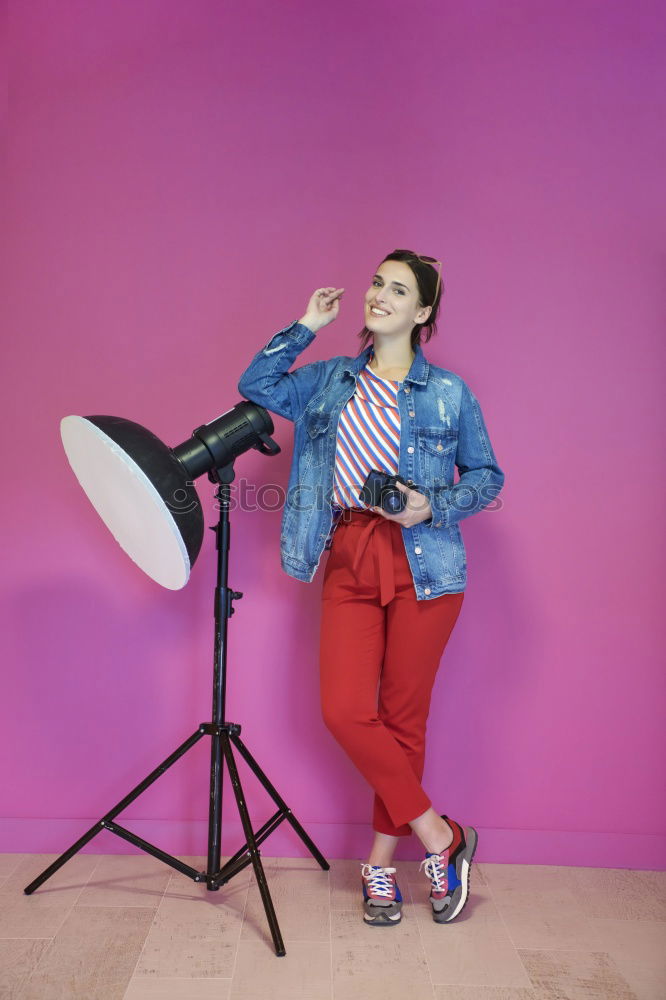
(393, 501)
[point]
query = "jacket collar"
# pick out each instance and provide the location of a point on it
(417, 373)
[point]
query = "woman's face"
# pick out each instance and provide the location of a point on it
(392, 301)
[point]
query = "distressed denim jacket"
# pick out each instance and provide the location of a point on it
(441, 427)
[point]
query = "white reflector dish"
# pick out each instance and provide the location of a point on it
(127, 501)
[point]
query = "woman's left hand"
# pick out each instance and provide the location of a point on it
(418, 508)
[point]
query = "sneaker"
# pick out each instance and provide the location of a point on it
(449, 875)
(382, 901)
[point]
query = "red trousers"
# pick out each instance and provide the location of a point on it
(380, 649)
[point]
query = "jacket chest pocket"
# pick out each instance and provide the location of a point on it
(437, 452)
(316, 440)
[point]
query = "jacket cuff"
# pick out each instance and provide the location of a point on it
(297, 331)
(440, 510)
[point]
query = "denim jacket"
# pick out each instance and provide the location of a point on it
(441, 427)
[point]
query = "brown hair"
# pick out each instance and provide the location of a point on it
(426, 280)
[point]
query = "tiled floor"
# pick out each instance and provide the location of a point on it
(130, 928)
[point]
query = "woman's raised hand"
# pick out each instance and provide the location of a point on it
(323, 308)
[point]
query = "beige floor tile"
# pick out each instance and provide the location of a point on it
(308, 863)
(599, 891)
(194, 935)
(197, 946)
(18, 958)
(127, 880)
(92, 956)
(358, 985)
(41, 914)
(366, 958)
(478, 873)
(304, 973)
(656, 881)
(607, 893)
(549, 919)
(345, 881)
(34, 916)
(178, 989)
(638, 949)
(231, 896)
(301, 903)
(485, 993)
(644, 988)
(473, 950)
(527, 877)
(575, 975)
(9, 862)
(74, 873)
(348, 927)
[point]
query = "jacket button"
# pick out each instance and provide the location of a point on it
(417, 550)
(407, 389)
(410, 450)
(440, 447)
(427, 590)
(411, 413)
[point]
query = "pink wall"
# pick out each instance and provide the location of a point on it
(182, 176)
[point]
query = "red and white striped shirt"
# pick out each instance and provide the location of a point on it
(368, 437)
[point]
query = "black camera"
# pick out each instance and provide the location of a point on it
(379, 490)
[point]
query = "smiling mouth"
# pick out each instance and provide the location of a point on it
(377, 312)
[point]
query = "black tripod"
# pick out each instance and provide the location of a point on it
(223, 734)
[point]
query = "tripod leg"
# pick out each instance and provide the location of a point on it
(215, 809)
(252, 846)
(153, 776)
(279, 801)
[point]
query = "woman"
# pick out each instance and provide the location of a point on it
(394, 581)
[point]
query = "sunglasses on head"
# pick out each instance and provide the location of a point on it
(427, 260)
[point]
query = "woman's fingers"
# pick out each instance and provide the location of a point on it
(325, 304)
(326, 298)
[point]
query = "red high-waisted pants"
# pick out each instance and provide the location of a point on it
(379, 653)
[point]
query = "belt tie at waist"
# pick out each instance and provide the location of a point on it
(380, 528)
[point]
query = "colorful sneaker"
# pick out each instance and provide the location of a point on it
(449, 874)
(382, 901)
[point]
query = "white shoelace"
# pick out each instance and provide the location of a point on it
(378, 879)
(436, 871)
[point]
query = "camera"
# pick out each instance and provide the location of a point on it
(379, 490)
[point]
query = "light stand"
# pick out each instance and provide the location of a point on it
(224, 736)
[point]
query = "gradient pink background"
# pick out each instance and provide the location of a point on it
(181, 177)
